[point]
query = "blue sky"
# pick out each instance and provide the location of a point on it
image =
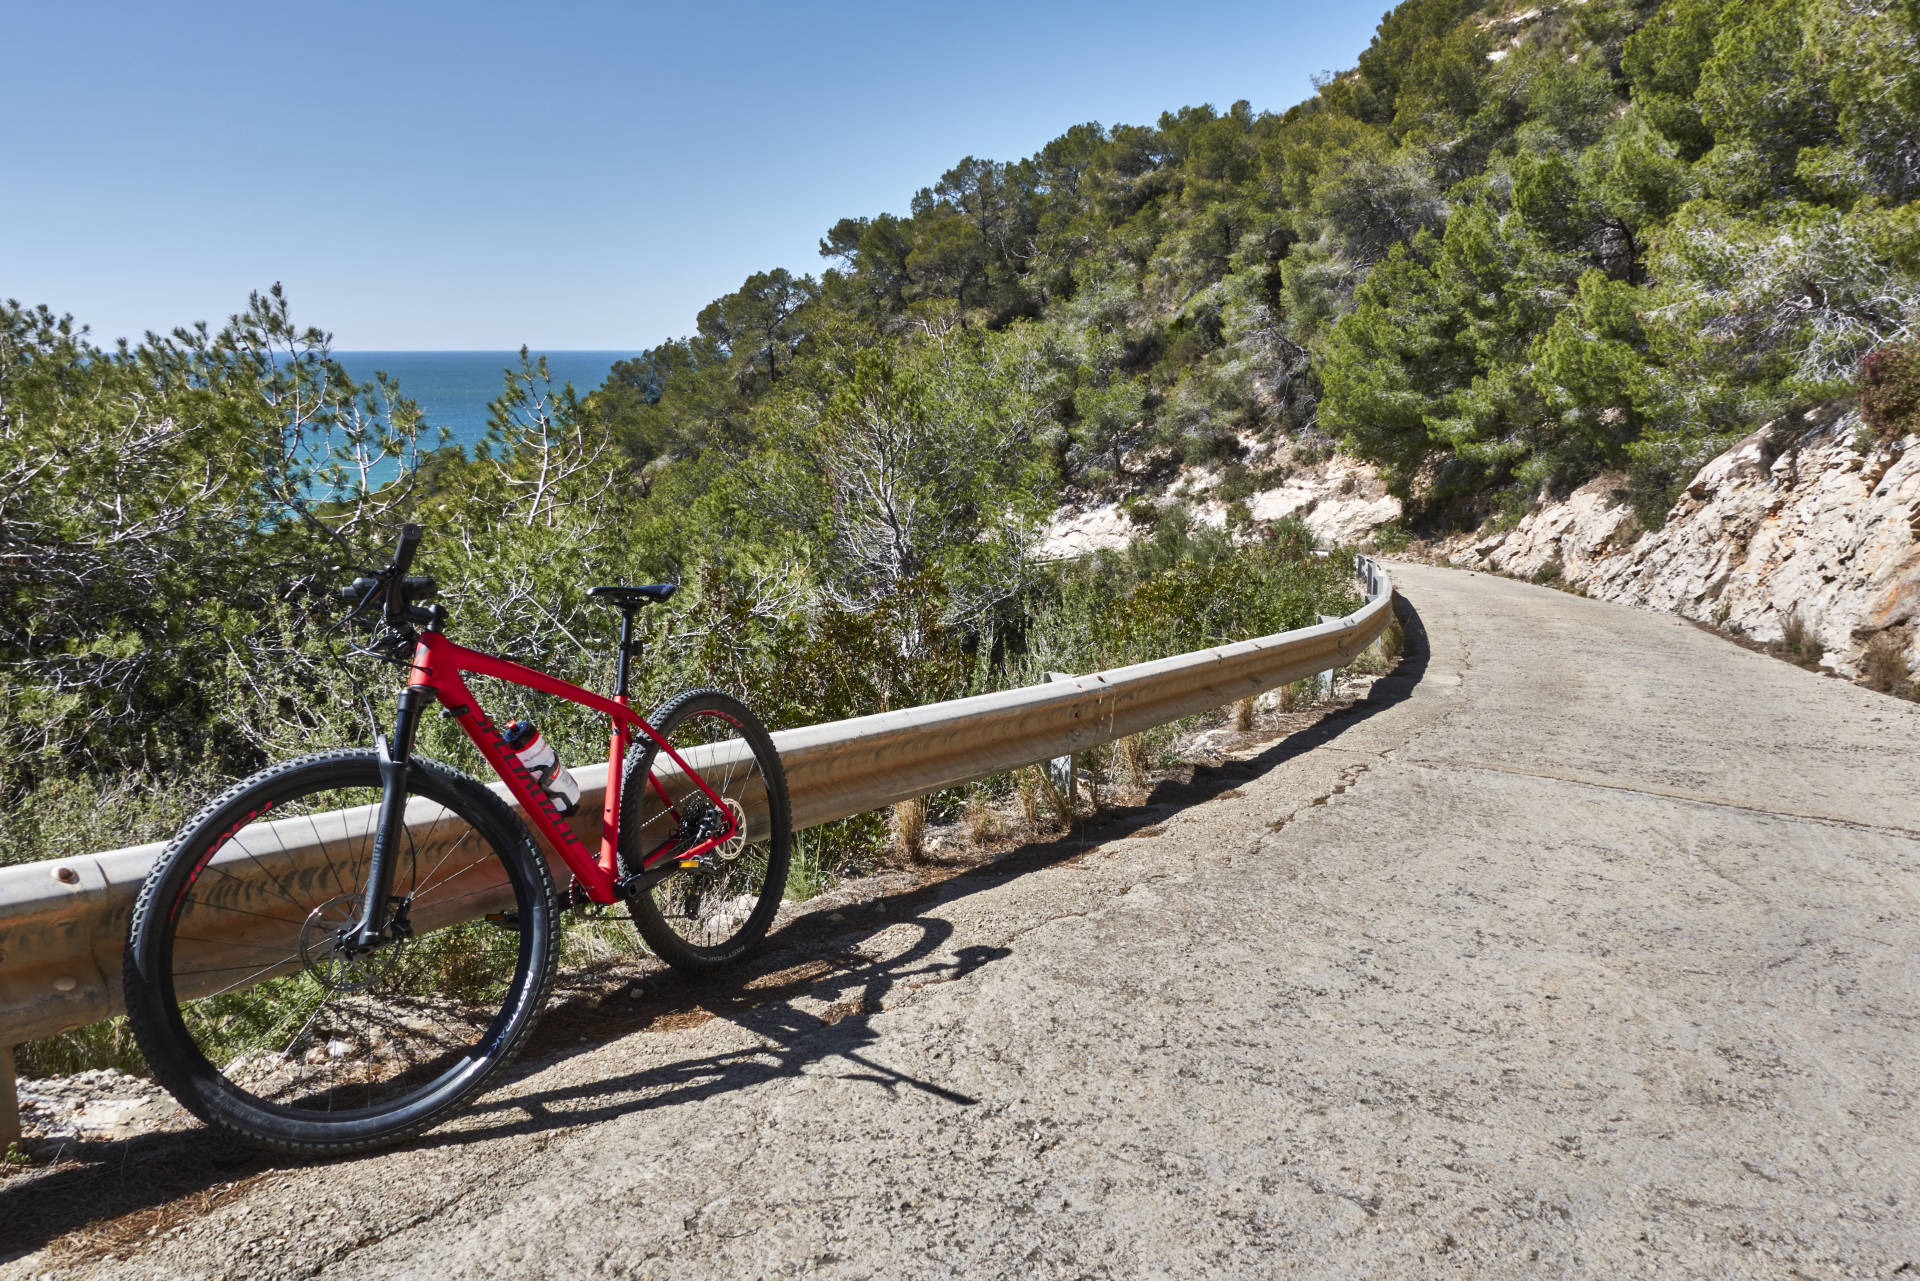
(478, 176)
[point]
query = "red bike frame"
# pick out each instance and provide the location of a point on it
(438, 665)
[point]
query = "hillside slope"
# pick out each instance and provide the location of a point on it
(1509, 251)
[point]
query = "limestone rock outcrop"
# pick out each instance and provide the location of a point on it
(1771, 528)
(1822, 530)
(1341, 500)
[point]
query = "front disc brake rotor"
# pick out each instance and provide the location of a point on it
(325, 955)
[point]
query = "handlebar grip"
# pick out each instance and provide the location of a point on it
(357, 590)
(396, 605)
(421, 587)
(409, 543)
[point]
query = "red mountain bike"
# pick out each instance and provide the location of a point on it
(338, 951)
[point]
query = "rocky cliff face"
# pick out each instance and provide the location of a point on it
(1823, 530)
(1340, 499)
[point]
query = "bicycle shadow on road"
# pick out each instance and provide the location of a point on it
(809, 998)
(814, 958)
(792, 1039)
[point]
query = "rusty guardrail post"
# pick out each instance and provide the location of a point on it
(1066, 779)
(9, 1101)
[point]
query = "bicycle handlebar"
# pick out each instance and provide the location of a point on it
(419, 587)
(395, 606)
(398, 589)
(403, 554)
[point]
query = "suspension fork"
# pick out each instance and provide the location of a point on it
(396, 755)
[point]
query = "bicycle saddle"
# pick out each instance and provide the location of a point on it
(628, 597)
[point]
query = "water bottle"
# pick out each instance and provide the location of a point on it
(525, 741)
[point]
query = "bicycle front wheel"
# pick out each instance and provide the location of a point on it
(257, 1014)
(704, 918)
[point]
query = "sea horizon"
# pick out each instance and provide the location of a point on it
(532, 352)
(453, 386)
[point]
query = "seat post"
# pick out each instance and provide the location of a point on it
(626, 649)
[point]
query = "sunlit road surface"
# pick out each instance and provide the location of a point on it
(1585, 949)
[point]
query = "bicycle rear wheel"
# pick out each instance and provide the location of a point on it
(705, 918)
(257, 1017)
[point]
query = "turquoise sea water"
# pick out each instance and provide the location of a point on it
(453, 387)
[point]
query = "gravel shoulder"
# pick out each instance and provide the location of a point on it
(1584, 948)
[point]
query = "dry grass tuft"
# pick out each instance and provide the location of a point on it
(1300, 695)
(1884, 664)
(1130, 760)
(1393, 642)
(1797, 639)
(1386, 650)
(1243, 715)
(1055, 798)
(1027, 787)
(910, 829)
(983, 821)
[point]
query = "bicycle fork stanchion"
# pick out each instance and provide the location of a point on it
(394, 755)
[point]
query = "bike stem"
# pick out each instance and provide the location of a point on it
(395, 755)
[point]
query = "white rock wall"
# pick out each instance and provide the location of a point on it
(1341, 500)
(1824, 529)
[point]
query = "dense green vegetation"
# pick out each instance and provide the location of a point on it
(175, 514)
(1507, 252)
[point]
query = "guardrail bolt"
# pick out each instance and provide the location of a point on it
(65, 875)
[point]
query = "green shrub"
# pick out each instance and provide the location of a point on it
(1392, 537)
(1888, 385)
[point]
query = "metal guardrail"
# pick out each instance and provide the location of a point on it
(63, 923)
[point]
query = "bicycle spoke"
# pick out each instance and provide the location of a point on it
(413, 852)
(243, 981)
(314, 823)
(443, 860)
(449, 878)
(703, 913)
(319, 1005)
(284, 892)
(253, 947)
(227, 907)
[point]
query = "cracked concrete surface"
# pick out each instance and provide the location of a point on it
(1586, 950)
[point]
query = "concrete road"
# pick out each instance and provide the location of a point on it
(1585, 950)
